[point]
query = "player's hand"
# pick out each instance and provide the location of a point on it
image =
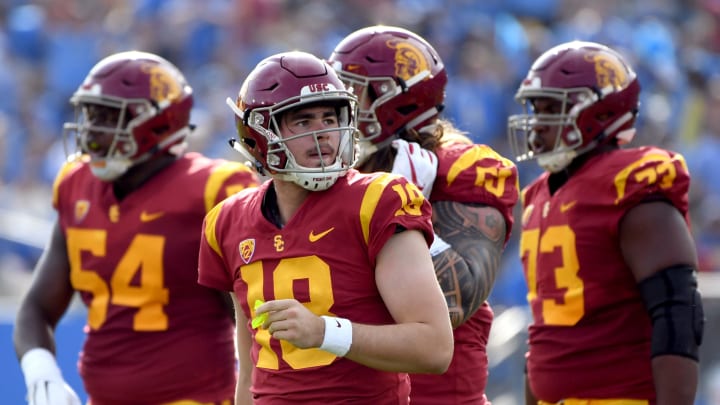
(418, 165)
(44, 392)
(291, 321)
(44, 381)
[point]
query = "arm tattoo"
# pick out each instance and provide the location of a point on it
(467, 271)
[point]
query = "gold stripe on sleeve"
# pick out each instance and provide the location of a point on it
(660, 170)
(216, 180)
(471, 156)
(64, 170)
(210, 221)
(370, 201)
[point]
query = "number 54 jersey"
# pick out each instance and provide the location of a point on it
(153, 334)
(323, 257)
(590, 336)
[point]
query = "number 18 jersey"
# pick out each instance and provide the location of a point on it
(323, 257)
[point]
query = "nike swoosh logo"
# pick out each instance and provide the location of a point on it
(338, 324)
(566, 206)
(147, 217)
(316, 237)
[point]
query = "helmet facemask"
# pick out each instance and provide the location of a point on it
(568, 141)
(372, 93)
(266, 121)
(111, 159)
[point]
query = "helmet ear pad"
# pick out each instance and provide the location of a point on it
(599, 121)
(158, 127)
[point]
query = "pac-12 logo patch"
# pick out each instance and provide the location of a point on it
(247, 249)
(81, 209)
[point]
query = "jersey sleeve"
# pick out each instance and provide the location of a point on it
(477, 174)
(211, 263)
(64, 172)
(652, 173)
(388, 202)
(227, 179)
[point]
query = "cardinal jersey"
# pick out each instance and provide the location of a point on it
(323, 257)
(468, 173)
(153, 334)
(590, 336)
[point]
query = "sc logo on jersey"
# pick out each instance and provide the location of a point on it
(278, 243)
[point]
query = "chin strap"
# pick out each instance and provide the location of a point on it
(235, 144)
(429, 113)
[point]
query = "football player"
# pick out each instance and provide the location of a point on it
(400, 80)
(606, 248)
(130, 207)
(334, 287)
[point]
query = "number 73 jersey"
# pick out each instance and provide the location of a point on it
(587, 311)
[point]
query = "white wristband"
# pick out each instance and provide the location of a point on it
(438, 246)
(338, 335)
(39, 364)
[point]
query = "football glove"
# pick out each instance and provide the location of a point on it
(418, 165)
(44, 381)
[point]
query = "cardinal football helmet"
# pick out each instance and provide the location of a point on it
(149, 101)
(282, 83)
(398, 76)
(599, 96)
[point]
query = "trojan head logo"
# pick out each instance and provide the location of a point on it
(409, 60)
(163, 86)
(247, 249)
(609, 70)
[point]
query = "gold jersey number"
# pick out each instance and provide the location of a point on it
(144, 256)
(571, 308)
(310, 268)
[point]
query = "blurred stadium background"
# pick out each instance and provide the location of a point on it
(47, 47)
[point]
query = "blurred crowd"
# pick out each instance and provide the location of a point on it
(47, 47)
